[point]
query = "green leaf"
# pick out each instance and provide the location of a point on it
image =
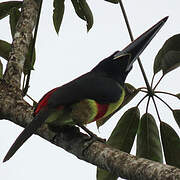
(5, 7)
(105, 175)
(14, 17)
(168, 57)
(58, 13)
(157, 62)
(170, 61)
(178, 95)
(1, 70)
(29, 62)
(148, 140)
(122, 137)
(176, 114)
(130, 93)
(78, 9)
(112, 1)
(125, 131)
(171, 145)
(84, 12)
(5, 49)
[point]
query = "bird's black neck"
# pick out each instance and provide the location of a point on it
(120, 79)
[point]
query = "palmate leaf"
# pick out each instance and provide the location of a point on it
(29, 63)
(178, 95)
(171, 144)
(1, 70)
(130, 93)
(125, 131)
(83, 10)
(13, 19)
(176, 114)
(122, 137)
(5, 49)
(58, 13)
(168, 57)
(78, 9)
(112, 1)
(170, 61)
(105, 175)
(148, 140)
(5, 7)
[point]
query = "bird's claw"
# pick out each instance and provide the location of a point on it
(93, 136)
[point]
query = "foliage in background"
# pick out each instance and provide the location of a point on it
(131, 124)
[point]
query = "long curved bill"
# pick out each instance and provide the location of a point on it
(138, 45)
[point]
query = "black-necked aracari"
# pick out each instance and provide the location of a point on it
(90, 97)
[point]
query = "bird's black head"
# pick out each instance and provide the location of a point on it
(118, 65)
(115, 67)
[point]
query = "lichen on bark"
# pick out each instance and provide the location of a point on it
(21, 42)
(14, 108)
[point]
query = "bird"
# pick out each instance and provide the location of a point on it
(90, 97)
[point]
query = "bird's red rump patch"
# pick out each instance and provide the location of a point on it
(102, 109)
(43, 102)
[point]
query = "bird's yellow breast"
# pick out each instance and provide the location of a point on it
(113, 106)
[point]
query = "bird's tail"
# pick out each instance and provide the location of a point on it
(36, 123)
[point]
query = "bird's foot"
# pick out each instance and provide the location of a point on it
(72, 131)
(89, 141)
(93, 137)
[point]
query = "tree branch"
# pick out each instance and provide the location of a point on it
(20, 44)
(15, 109)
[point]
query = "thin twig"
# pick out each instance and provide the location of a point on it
(34, 102)
(163, 102)
(131, 37)
(141, 100)
(142, 88)
(24, 77)
(126, 20)
(147, 106)
(143, 91)
(152, 80)
(156, 108)
(162, 92)
(158, 82)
